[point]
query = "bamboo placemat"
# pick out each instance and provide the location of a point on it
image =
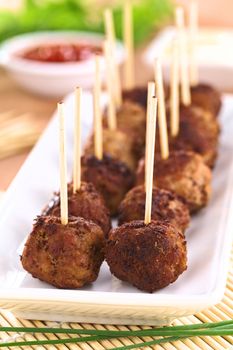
(222, 311)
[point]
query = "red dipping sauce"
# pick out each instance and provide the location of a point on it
(59, 53)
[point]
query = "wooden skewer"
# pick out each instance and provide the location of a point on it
(150, 159)
(193, 30)
(98, 131)
(77, 141)
(174, 92)
(109, 76)
(183, 62)
(111, 37)
(109, 26)
(129, 68)
(150, 94)
(161, 110)
(63, 166)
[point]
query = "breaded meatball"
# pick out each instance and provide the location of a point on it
(131, 119)
(86, 203)
(207, 97)
(199, 133)
(137, 95)
(110, 177)
(166, 206)
(66, 256)
(117, 144)
(148, 256)
(185, 174)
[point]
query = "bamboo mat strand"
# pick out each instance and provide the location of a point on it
(222, 311)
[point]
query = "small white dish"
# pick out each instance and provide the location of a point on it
(109, 300)
(214, 55)
(52, 79)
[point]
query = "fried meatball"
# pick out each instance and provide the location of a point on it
(207, 97)
(199, 133)
(137, 95)
(86, 203)
(185, 174)
(148, 256)
(66, 256)
(131, 119)
(117, 144)
(110, 177)
(166, 206)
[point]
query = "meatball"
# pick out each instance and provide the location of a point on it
(185, 174)
(66, 256)
(137, 95)
(207, 97)
(166, 206)
(117, 144)
(131, 119)
(111, 178)
(86, 203)
(198, 133)
(148, 256)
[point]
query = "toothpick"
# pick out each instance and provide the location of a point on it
(109, 76)
(63, 166)
(174, 92)
(163, 137)
(183, 61)
(77, 141)
(150, 160)
(98, 132)
(193, 31)
(150, 94)
(111, 37)
(129, 68)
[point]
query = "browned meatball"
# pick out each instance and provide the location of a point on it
(198, 133)
(66, 256)
(185, 174)
(131, 119)
(148, 256)
(207, 97)
(86, 203)
(137, 95)
(166, 206)
(110, 177)
(117, 144)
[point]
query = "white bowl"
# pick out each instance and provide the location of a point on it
(214, 55)
(52, 79)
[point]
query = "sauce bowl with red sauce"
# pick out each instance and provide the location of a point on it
(53, 63)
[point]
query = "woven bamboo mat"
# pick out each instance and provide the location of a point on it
(220, 312)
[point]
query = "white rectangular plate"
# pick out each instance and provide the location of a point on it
(108, 300)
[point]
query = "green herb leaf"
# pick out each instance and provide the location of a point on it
(36, 15)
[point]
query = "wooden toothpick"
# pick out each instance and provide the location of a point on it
(150, 94)
(111, 37)
(183, 61)
(98, 132)
(150, 159)
(112, 124)
(129, 67)
(163, 137)
(174, 92)
(77, 141)
(193, 32)
(63, 166)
